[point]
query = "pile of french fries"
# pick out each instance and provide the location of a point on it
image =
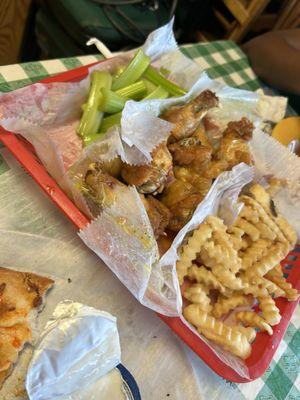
(225, 271)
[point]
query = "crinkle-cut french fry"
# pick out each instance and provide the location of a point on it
(222, 239)
(224, 305)
(269, 310)
(266, 232)
(276, 277)
(264, 216)
(191, 248)
(221, 272)
(248, 228)
(272, 288)
(276, 253)
(288, 231)
(228, 337)
(246, 243)
(222, 254)
(203, 275)
(249, 332)
(254, 253)
(249, 215)
(198, 294)
(227, 278)
(264, 199)
(250, 318)
(236, 237)
(254, 290)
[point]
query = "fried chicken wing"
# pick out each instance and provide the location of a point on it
(241, 129)
(181, 198)
(187, 118)
(233, 147)
(190, 152)
(98, 188)
(198, 181)
(158, 213)
(150, 178)
(182, 211)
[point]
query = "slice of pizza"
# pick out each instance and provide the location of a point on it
(21, 297)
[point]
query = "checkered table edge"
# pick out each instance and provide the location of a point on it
(224, 61)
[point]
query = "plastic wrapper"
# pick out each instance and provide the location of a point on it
(52, 132)
(91, 336)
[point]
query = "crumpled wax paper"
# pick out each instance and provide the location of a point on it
(50, 128)
(77, 348)
(272, 159)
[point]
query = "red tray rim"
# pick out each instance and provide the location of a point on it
(22, 151)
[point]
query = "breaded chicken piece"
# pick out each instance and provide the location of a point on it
(151, 178)
(99, 188)
(158, 214)
(182, 211)
(190, 152)
(233, 147)
(187, 118)
(181, 198)
(196, 179)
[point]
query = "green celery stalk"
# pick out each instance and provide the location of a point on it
(158, 93)
(110, 121)
(149, 85)
(91, 138)
(133, 71)
(158, 79)
(134, 91)
(91, 117)
(112, 102)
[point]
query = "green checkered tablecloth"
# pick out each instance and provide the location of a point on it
(224, 61)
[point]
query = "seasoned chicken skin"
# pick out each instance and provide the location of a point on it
(187, 118)
(99, 188)
(151, 178)
(181, 198)
(233, 147)
(158, 214)
(190, 152)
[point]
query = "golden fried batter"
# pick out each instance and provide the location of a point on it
(187, 118)
(190, 152)
(150, 178)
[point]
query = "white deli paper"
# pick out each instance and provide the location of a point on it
(50, 125)
(77, 349)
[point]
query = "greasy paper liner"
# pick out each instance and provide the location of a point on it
(47, 116)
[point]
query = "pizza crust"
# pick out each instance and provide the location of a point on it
(20, 294)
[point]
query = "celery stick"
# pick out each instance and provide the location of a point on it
(149, 85)
(155, 77)
(110, 121)
(91, 138)
(91, 117)
(133, 71)
(158, 93)
(112, 102)
(134, 91)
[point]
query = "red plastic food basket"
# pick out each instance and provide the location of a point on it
(264, 345)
